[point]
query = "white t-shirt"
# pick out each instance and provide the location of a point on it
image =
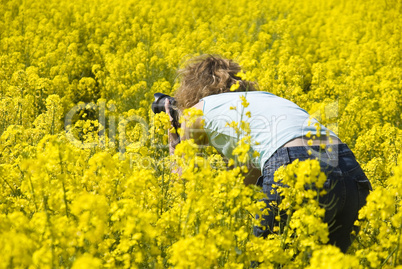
(274, 121)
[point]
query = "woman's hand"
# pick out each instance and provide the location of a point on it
(174, 138)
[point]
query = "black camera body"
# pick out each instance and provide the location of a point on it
(159, 105)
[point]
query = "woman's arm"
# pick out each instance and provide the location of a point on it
(193, 130)
(252, 175)
(173, 137)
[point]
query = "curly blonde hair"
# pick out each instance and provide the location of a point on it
(207, 75)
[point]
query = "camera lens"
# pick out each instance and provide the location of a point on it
(159, 104)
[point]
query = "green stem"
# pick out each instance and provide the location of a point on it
(389, 256)
(63, 184)
(33, 194)
(45, 198)
(397, 246)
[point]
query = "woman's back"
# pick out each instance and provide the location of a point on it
(273, 121)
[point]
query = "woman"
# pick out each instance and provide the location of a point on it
(284, 133)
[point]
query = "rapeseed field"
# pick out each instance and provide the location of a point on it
(86, 179)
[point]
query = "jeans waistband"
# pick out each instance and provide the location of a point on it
(330, 153)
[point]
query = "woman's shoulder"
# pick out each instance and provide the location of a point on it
(236, 93)
(229, 98)
(200, 105)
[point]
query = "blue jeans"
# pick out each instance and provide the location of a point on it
(347, 188)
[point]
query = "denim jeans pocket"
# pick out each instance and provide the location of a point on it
(268, 181)
(364, 188)
(363, 184)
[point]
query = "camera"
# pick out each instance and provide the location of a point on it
(159, 105)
